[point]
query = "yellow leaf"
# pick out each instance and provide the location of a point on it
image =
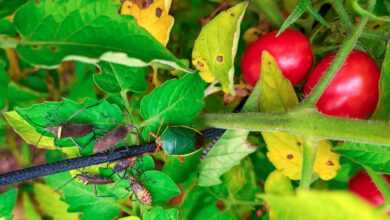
(154, 17)
(285, 150)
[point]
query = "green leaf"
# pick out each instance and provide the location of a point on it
(116, 78)
(178, 140)
(100, 115)
(216, 46)
(299, 9)
(19, 95)
(229, 150)
(321, 205)
(175, 102)
(88, 31)
(158, 213)
(277, 183)
(57, 209)
(7, 204)
(383, 110)
(376, 157)
(180, 167)
(29, 211)
(161, 186)
(7, 7)
(83, 87)
(82, 198)
(4, 80)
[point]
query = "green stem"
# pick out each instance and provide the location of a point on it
(309, 153)
(343, 15)
(271, 10)
(381, 183)
(341, 55)
(305, 122)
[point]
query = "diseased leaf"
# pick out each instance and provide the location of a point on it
(176, 102)
(158, 213)
(161, 186)
(7, 204)
(116, 78)
(26, 131)
(216, 46)
(383, 110)
(377, 157)
(154, 17)
(320, 205)
(29, 211)
(285, 150)
(88, 31)
(51, 204)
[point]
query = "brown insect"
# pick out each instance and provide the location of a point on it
(140, 191)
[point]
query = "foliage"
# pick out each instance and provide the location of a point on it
(79, 77)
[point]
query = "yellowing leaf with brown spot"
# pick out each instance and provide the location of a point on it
(153, 17)
(285, 150)
(216, 46)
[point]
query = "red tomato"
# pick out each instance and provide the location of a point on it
(362, 185)
(291, 50)
(353, 92)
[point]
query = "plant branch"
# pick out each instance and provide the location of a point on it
(346, 47)
(309, 154)
(305, 122)
(381, 183)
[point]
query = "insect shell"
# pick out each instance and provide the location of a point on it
(93, 179)
(140, 192)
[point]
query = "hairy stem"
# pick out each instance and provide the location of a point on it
(341, 55)
(381, 183)
(305, 122)
(309, 154)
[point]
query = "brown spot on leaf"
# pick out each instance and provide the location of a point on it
(158, 12)
(290, 156)
(299, 143)
(330, 163)
(220, 205)
(220, 58)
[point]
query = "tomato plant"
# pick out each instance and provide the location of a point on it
(136, 109)
(353, 92)
(291, 49)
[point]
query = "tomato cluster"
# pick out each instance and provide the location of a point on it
(352, 93)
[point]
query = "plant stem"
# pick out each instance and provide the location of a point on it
(271, 10)
(343, 15)
(341, 55)
(381, 183)
(309, 154)
(305, 122)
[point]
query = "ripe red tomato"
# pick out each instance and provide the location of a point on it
(362, 185)
(354, 90)
(291, 50)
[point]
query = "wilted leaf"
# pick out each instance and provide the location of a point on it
(116, 78)
(216, 46)
(161, 186)
(309, 205)
(377, 157)
(158, 213)
(88, 31)
(176, 102)
(285, 150)
(51, 204)
(154, 17)
(8, 201)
